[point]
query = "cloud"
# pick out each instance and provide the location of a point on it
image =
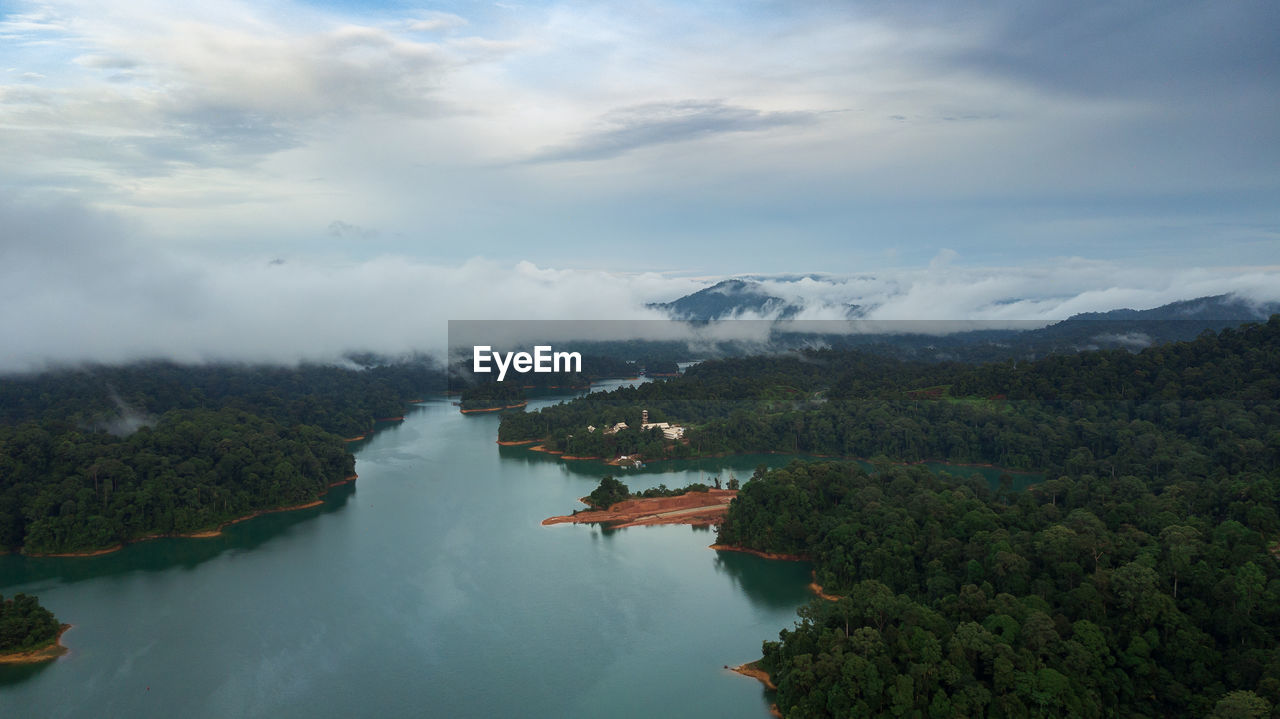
(106, 62)
(638, 126)
(721, 138)
(232, 89)
(348, 231)
(82, 285)
(436, 22)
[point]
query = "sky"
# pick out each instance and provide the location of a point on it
(276, 180)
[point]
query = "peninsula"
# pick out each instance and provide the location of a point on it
(695, 508)
(29, 633)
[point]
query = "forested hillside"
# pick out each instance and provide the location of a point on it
(342, 400)
(94, 457)
(1184, 405)
(1139, 580)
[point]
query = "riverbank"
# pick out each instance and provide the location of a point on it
(818, 590)
(492, 409)
(753, 670)
(814, 587)
(200, 534)
(758, 553)
(40, 654)
(693, 508)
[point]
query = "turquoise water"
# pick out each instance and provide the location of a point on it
(427, 588)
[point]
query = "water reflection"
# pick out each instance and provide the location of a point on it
(15, 673)
(769, 583)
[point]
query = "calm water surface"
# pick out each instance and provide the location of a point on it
(427, 588)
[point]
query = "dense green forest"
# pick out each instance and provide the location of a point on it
(1039, 416)
(342, 400)
(63, 490)
(94, 457)
(610, 491)
(1140, 580)
(25, 625)
(492, 395)
(1081, 597)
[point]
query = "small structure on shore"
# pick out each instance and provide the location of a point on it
(669, 431)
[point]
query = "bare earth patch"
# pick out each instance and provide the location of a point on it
(697, 508)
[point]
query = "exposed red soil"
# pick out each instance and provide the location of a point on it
(753, 670)
(518, 443)
(758, 553)
(697, 508)
(817, 589)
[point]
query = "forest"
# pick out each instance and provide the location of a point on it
(610, 491)
(94, 457)
(1209, 402)
(25, 625)
(1140, 580)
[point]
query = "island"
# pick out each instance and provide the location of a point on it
(614, 506)
(29, 633)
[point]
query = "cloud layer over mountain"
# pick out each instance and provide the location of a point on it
(76, 285)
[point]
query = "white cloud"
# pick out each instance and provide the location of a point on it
(722, 138)
(435, 22)
(82, 285)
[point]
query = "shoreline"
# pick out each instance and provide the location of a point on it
(46, 653)
(200, 534)
(216, 531)
(492, 409)
(758, 553)
(813, 586)
(753, 670)
(817, 589)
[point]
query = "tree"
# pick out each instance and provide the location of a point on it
(608, 493)
(1241, 704)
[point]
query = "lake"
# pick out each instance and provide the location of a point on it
(426, 588)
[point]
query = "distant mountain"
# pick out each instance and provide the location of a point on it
(727, 300)
(731, 299)
(1116, 329)
(1135, 329)
(1202, 309)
